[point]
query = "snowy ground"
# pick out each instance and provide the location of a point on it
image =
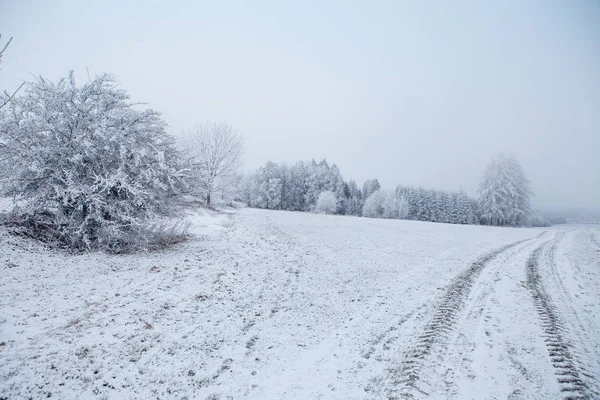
(280, 305)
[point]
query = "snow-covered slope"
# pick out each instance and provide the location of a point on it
(281, 305)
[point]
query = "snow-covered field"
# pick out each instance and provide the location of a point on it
(280, 305)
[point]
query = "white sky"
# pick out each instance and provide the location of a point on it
(420, 93)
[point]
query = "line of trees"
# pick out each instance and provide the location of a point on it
(504, 195)
(319, 187)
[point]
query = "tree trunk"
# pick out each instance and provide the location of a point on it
(208, 199)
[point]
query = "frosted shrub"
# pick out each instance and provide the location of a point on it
(90, 170)
(326, 203)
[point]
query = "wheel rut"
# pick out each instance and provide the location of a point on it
(444, 315)
(569, 372)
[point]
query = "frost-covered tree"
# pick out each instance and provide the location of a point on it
(373, 207)
(354, 202)
(300, 174)
(423, 205)
(284, 174)
(445, 201)
(320, 179)
(336, 185)
(504, 193)
(491, 201)
(248, 189)
(214, 156)
(269, 194)
(436, 206)
(519, 193)
(389, 206)
(326, 203)
(408, 195)
(88, 168)
(269, 187)
(370, 186)
(402, 207)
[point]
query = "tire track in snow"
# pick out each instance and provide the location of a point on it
(437, 330)
(569, 371)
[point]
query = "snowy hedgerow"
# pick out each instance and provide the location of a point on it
(88, 167)
(326, 203)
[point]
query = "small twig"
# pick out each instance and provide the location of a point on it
(11, 96)
(19, 88)
(5, 46)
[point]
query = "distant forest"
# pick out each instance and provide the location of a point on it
(504, 195)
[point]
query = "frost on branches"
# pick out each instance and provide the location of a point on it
(87, 168)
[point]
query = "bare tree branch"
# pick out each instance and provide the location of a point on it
(9, 97)
(5, 46)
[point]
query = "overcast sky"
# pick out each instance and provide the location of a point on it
(411, 92)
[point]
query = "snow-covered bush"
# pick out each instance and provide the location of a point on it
(326, 203)
(90, 169)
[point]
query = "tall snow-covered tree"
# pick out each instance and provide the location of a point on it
(268, 181)
(354, 200)
(248, 189)
(336, 185)
(88, 166)
(504, 193)
(423, 204)
(519, 193)
(446, 205)
(319, 180)
(286, 187)
(299, 185)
